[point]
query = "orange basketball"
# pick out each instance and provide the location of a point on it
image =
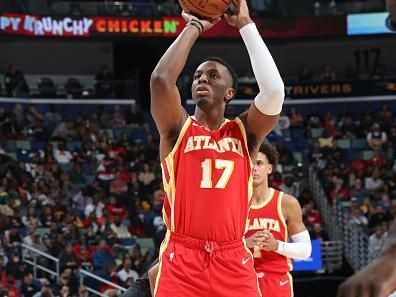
(207, 9)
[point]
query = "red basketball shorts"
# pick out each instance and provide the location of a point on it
(195, 268)
(275, 284)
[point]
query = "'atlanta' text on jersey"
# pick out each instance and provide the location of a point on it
(208, 181)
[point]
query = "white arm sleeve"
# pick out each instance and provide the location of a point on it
(272, 90)
(300, 248)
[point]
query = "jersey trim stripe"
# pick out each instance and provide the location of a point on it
(268, 200)
(282, 218)
(163, 248)
(291, 284)
(242, 128)
(172, 187)
(187, 124)
(167, 167)
(250, 181)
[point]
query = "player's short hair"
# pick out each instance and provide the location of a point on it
(231, 70)
(271, 153)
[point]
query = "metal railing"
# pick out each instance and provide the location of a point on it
(85, 273)
(354, 240)
(332, 255)
(35, 254)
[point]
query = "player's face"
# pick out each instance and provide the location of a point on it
(212, 85)
(261, 169)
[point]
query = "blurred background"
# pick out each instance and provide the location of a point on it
(80, 180)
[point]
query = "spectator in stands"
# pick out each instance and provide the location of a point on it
(68, 259)
(376, 138)
(16, 266)
(104, 83)
(282, 128)
(296, 118)
(146, 178)
(317, 232)
(377, 217)
(289, 187)
(348, 128)
(377, 241)
(311, 215)
(15, 83)
(127, 272)
(357, 218)
(31, 219)
(358, 191)
(305, 74)
(374, 182)
(119, 185)
(359, 166)
(18, 119)
(5, 122)
(29, 237)
(29, 287)
(117, 118)
(62, 155)
(102, 256)
(134, 118)
(109, 273)
(120, 229)
(338, 191)
(327, 74)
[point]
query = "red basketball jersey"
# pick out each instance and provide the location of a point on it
(268, 216)
(207, 178)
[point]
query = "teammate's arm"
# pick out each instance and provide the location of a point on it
(166, 108)
(378, 279)
(301, 247)
(263, 114)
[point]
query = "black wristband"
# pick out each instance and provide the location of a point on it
(197, 25)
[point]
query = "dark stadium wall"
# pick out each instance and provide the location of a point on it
(56, 56)
(142, 55)
(290, 56)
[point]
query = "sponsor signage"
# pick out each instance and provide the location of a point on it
(370, 23)
(314, 262)
(335, 89)
(92, 26)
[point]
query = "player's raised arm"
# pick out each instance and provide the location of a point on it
(263, 114)
(166, 108)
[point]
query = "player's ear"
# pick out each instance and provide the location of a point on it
(270, 168)
(230, 93)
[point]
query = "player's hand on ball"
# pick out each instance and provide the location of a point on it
(269, 243)
(241, 15)
(206, 24)
(255, 240)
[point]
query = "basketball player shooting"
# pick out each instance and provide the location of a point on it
(274, 217)
(206, 164)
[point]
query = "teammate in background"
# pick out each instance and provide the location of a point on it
(391, 20)
(274, 217)
(206, 164)
(378, 279)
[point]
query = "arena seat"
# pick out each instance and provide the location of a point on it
(344, 144)
(359, 143)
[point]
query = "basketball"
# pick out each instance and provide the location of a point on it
(209, 9)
